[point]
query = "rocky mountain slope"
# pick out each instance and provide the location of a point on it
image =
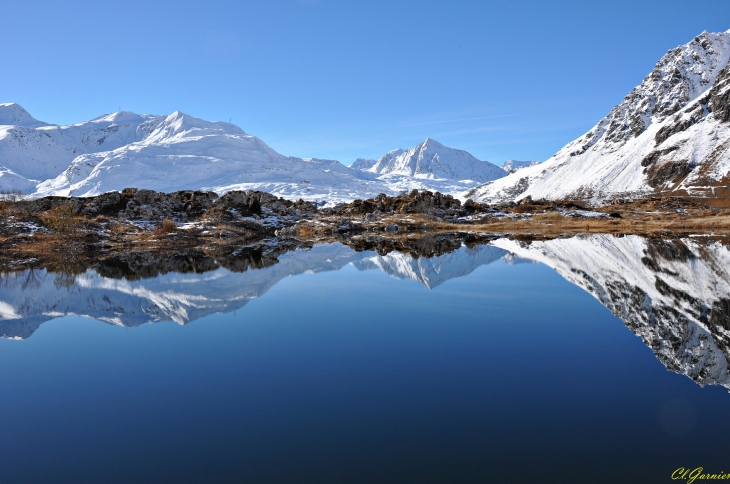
(670, 134)
(674, 294)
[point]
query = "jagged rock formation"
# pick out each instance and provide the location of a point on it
(149, 205)
(669, 135)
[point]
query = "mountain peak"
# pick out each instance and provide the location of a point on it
(668, 134)
(120, 117)
(178, 123)
(15, 115)
(431, 143)
(432, 160)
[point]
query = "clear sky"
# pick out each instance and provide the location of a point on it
(346, 79)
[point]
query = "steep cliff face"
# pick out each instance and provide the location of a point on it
(674, 294)
(669, 134)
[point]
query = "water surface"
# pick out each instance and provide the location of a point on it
(512, 361)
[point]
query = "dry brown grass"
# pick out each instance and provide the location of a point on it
(62, 220)
(165, 227)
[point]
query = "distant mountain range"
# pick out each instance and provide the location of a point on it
(669, 135)
(181, 152)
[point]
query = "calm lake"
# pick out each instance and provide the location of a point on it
(585, 359)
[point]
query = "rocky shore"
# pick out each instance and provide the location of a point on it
(135, 220)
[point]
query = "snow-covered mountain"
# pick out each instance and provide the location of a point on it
(32, 151)
(669, 134)
(674, 294)
(181, 152)
(29, 298)
(363, 164)
(514, 165)
(431, 159)
(12, 114)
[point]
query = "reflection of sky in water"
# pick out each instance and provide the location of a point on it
(502, 372)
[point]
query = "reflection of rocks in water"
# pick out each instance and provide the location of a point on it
(185, 285)
(426, 246)
(143, 265)
(674, 294)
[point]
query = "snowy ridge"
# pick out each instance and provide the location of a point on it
(670, 133)
(29, 298)
(674, 294)
(363, 164)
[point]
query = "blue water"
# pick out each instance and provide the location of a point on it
(508, 374)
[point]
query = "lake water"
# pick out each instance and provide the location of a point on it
(587, 359)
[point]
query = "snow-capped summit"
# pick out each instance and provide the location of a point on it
(669, 134)
(431, 159)
(179, 124)
(12, 114)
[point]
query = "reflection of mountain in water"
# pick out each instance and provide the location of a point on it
(117, 293)
(432, 271)
(674, 294)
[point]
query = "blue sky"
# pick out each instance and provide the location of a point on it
(346, 79)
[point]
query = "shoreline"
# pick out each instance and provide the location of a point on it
(58, 231)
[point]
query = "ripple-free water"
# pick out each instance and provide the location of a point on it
(332, 365)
